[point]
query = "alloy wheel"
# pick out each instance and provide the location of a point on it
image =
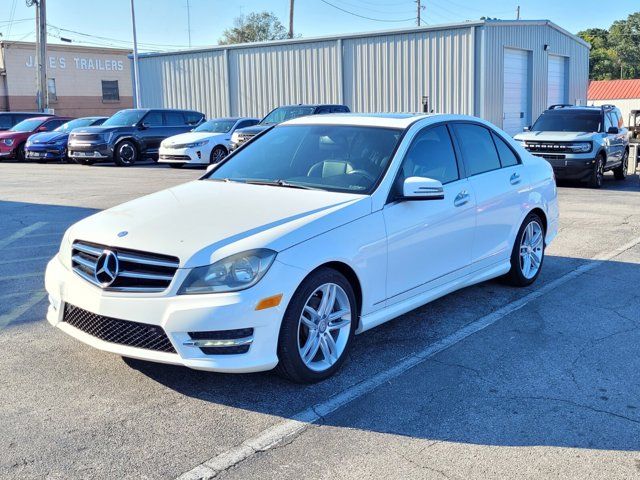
(127, 153)
(217, 155)
(531, 249)
(324, 327)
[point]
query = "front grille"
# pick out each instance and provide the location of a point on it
(551, 147)
(185, 158)
(85, 137)
(550, 157)
(131, 271)
(121, 332)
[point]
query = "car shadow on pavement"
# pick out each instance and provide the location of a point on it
(561, 371)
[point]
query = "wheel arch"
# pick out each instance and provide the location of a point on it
(132, 139)
(543, 216)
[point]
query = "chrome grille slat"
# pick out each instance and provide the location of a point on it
(140, 272)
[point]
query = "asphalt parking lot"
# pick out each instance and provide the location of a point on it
(489, 382)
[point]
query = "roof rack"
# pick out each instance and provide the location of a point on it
(560, 105)
(607, 107)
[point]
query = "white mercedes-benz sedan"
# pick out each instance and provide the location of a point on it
(318, 229)
(206, 144)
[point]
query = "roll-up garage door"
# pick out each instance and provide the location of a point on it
(517, 93)
(556, 83)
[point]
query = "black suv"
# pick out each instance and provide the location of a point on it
(9, 119)
(130, 135)
(282, 114)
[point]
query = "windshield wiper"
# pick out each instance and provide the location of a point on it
(280, 183)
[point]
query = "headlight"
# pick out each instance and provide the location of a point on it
(580, 147)
(197, 144)
(8, 141)
(237, 272)
(107, 137)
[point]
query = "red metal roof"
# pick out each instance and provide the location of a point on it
(613, 89)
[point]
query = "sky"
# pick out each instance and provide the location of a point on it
(162, 24)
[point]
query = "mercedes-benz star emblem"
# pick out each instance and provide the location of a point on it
(106, 268)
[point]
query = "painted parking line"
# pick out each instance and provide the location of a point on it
(288, 429)
(21, 233)
(17, 312)
(24, 260)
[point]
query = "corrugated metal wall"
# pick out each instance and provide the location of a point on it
(459, 67)
(392, 73)
(494, 38)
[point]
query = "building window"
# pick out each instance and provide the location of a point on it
(51, 89)
(110, 91)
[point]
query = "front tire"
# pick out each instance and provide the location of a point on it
(126, 153)
(620, 173)
(217, 154)
(597, 175)
(20, 153)
(527, 255)
(317, 327)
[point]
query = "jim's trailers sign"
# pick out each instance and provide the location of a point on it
(80, 63)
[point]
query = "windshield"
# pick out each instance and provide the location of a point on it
(282, 114)
(569, 121)
(124, 118)
(328, 157)
(28, 125)
(216, 126)
(77, 123)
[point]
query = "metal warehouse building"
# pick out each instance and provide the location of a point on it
(507, 72)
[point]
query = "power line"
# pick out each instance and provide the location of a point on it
(369, 9)
(365, 17)
(11, 15)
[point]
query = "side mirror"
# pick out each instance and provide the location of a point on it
(613, 130)
(527, 128)
(422, 188)
(41, 128)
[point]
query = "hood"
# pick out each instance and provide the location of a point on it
(555, 136)
(204, 221)
(46, 137)
(191, 137)
(255, 129)
(100, 129)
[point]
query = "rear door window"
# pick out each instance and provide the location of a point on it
(508, 158)
(477, 147)
(174, 119)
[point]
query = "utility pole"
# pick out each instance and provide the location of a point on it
(290, 18)
(518, 12)
(419, 12)
(41, 53)
(136, 73)
(189, 22)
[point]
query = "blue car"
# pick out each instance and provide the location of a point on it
(52, 146)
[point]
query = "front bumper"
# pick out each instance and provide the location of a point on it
(180, 314)
(570, 167)
(44, 153)
(9, 153)
(196, 155)
(90, 151)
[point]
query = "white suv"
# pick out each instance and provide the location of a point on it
(581, 143)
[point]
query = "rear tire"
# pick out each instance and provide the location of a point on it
(125, 153)
(620, 173)
(597, 175)
(306, 354)
(527, 255)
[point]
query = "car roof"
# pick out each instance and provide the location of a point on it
(314, 105)
(394, 120)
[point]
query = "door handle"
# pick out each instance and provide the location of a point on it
(462, 198)
(515, 179)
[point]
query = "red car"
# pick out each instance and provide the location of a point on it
(12, 141)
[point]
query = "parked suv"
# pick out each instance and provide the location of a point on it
(12, 141)
(581, 143)
(279, 115)
(9, 119)
(130, 135)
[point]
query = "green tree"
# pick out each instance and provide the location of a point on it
(255, 27)
(615, 53)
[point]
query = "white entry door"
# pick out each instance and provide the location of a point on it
(517, 92)
(556, 81)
